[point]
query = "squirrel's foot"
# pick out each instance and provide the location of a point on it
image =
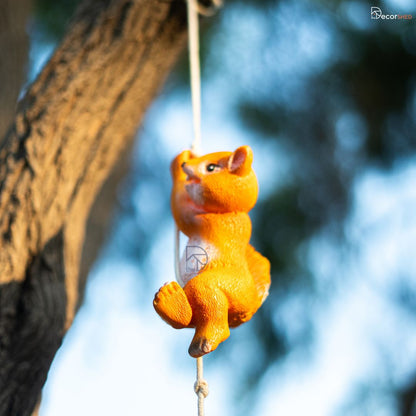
(204, 344)
(199, 347)
(172, 305)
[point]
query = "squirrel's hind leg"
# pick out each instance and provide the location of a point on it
(259, 267)
(172, 305)
(210, 318)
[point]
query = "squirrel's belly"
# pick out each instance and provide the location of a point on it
(196, 256)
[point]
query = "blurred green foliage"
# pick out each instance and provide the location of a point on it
(53, 16)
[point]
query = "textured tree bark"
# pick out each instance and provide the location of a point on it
(99, 220)
(70, 128)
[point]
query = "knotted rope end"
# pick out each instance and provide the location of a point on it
(201, 387)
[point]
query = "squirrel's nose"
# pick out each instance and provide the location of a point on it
(189, 171)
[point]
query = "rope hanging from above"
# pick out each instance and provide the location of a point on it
(193, 7)
(195, 73)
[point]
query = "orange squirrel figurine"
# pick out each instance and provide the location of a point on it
(211, 197)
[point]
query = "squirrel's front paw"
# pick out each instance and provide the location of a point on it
(172, 305)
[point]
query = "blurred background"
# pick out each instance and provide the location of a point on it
(326, 97)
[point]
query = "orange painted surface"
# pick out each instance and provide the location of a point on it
(223, 279)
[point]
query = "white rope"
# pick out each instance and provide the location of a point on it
(195, 72)
(200, 386)
(177, 245)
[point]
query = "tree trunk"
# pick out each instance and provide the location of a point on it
(70, 128)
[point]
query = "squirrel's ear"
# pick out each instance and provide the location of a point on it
(240, 161)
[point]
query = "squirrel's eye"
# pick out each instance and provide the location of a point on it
(211, 167)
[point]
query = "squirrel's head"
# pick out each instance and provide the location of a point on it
(223, 181)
